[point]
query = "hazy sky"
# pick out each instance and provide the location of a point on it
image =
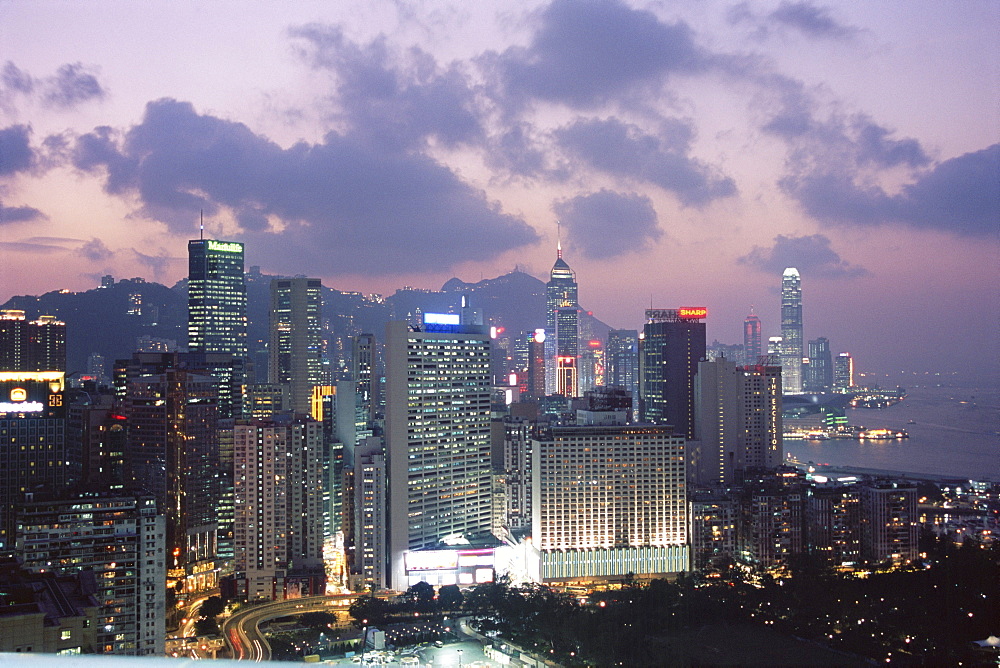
(692, 151)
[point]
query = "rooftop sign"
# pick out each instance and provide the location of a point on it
(225, 246)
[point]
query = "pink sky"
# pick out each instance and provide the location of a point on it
(691, 151)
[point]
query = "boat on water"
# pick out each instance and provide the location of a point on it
(881, 434)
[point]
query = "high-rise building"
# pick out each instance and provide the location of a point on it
(364, 372)
(35, 345)
(33, 445)
(738, 421)
(843, 372)
(437, 429)
(217, 298)
(119, 538)
(833, 524)
(535, 386)
(622, 368)
(890, 525)
(370, 504)
(791, 330)
(673, 344)
(562, 317)
(608, 499)
(173, 454)
(278, 491)
(819, 377)
(752, 349)
(296, 343)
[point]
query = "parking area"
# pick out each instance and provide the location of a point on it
(466, 654)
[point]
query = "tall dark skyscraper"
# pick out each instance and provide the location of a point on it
(673, 344)
(217, 298)
(623, 361)
(819, 377)
(791, 330)
(35, 345)
(752, 348)
(562, 325)
(296, 343)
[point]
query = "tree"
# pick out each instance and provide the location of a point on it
(422, 593)
(449, 597)
(212, 606)
(375, 610)
(206, 626)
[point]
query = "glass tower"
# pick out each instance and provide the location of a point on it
(791, 330)
(217, 298)
(562, 318)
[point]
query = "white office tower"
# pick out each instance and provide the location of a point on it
(278, 493)
(608, 500)
(370, 502)
(437, 429)
(791, 330)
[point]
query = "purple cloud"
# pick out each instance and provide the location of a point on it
(587, 52)
(810, 254)
(961, 195)
(346, 205)
(606, 224)
(625, 150)
(16, 154)
(19, 214)
(71, 85)
(811, 20)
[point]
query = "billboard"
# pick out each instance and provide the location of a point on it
(32, 394)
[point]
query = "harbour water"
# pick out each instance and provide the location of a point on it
(954, 431)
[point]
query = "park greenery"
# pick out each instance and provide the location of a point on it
(925, 614)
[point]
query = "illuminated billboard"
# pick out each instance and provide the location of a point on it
(442, 319)
(32, 393)
(692, 312)
(439, 567)
(225, 246)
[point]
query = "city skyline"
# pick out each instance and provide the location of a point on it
(854, 143)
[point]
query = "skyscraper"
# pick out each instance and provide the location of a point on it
(437, 429)
(791, 330)
(562, 319)
(843, 372)
(820, 372)
(36, 345)
(623, 361)
(217, 298)
(751, 339)
(295, 352)
(673, 344)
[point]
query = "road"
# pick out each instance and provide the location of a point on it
(242, 630)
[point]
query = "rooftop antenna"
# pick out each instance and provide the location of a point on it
(558, 240)
(201, 234)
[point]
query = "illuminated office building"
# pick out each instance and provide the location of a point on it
(608, 499)
(622, 369)
(819, 374)
(562, 317)
(791, 330)
(296, 344)
(535, 386)
(673, 344)
(843, 372)
(217, 298)
(369, 509)
(437, 429)
(32, 442)
(31, 345)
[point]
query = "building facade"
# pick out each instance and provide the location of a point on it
(673, 344)
(437, 430)
(791, 330)
(217, 298)
(295, 351)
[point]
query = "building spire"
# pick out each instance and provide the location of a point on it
(558, 240)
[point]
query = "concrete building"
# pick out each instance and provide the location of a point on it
(889, 523)
(608, 499)
(371, 564)
(752, 342)
(714, 525)
(833, 524)
(295, 351)
(278, 489)
(31, 345)
(437, 430)
(120, 538)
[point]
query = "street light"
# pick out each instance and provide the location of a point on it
(459, 658)
(364, 639)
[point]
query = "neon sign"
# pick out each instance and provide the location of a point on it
(695, 312)
(441, 319)
(21, 407)
(225, 246)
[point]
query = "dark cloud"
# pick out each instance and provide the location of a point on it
(625, 150)
(14, 79)
(811, 255)
(395, 99)
(16, 154)
(961, 195)
(811, 20)
(25, 247)
(874, 146)
(19, 214)
(95, 250)
(345, 205)
(71, 85)
(586, 52)
(607, 224)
